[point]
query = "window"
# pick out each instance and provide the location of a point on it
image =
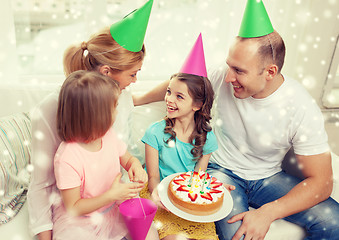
(38, 32)
(43, 29)
(330, 97)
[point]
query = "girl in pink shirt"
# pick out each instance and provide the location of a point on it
(87, 162)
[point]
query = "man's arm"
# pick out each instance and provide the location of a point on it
(316, 187)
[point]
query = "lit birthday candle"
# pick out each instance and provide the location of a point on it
(209, 182)
(191, 178)
(191, 189)
(203, 183)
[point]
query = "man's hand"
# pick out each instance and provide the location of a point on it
(255, 225)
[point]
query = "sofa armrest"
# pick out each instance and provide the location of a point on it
(335, 167)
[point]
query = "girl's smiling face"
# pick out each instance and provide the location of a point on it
(178, 100)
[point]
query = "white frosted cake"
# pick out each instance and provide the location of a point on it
(196, 193)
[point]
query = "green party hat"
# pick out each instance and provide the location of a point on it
(130, 31)
(255, 22)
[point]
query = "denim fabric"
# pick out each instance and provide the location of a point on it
(320, 221)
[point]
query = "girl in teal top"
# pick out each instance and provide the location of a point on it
(175, 156)
(182, 142)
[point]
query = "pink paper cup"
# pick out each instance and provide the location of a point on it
(138, 214)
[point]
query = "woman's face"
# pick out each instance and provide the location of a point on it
(125, 78)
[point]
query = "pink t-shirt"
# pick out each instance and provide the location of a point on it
(94, 172)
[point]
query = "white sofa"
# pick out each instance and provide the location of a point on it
(22, 99)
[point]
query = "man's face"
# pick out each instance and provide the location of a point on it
(245, 71)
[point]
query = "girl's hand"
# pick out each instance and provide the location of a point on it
(156, 199)
(229, 187)
(137, 174)
(123, 191)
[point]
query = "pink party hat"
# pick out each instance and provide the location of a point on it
(195, 62)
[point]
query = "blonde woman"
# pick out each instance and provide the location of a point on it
(107, 52)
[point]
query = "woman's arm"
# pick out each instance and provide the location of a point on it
(154, 95)
(42, 185)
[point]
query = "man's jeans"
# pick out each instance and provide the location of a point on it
(320, 221)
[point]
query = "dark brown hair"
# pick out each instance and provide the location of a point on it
(100, 49)
(85, 106)
(201, 91)
(271, 49)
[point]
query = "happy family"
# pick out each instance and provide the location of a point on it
(76, 186)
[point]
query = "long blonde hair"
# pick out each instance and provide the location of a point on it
(100, 49)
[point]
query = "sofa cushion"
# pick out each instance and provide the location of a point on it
(15, 138)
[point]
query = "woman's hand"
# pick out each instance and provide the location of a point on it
(123, 191)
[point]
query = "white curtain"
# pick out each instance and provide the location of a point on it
(8, 53)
